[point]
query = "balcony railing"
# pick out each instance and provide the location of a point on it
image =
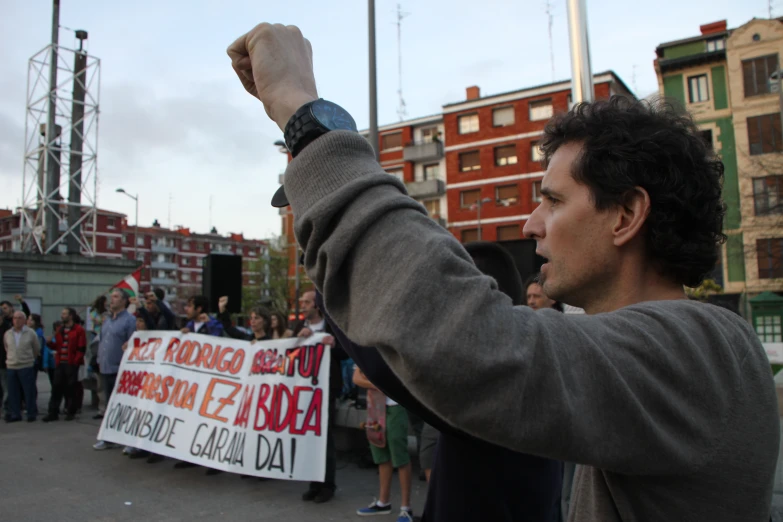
(163, 249)
(163, 265)
(423, 151)
(163, 281)
(426, 189)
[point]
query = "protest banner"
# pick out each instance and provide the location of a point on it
(256, 409)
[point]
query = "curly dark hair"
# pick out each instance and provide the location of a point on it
(656, 146)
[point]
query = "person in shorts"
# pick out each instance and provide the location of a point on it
(393, 455)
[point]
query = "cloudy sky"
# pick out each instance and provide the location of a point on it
(177, 127)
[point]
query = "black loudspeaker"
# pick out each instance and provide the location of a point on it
(524, 253)
(223, 276)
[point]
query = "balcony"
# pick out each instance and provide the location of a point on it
(163, 265)
(163, 249)
(426, 189)
(427, 151)
(163, 281)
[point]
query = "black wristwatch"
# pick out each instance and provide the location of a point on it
(311, 121)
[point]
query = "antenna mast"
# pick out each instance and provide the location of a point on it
(401, 109)
(550, 18)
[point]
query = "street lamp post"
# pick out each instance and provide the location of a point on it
(136, 228)
(283, 149)
(478, 204)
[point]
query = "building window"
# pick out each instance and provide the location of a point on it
(185, 261)
(506, 155)
(110, 243)
(111, 223)
(431, 171)
(124, 239)
(433, 207)
(468, 197)
(508, 232)
(535, 152)
(507, 195)
(140, 256)
(391, 141)
(717, 44)
(768, 328)
(537, 198)
(469, 234)
(767, 195)
(469, 161)
(540, 110)
(429, 134)
(706, 135)
(503, 117)
(140, 241)
(200, 247)
(697, 89)
(198, 278)
(397, 173)
(770, 258)
(756, 74)
(764, 134)
(468, 123)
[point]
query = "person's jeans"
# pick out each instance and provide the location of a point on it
(331, 453)
(64, 387)
(23, 379)
(108, 380)
(347, 370)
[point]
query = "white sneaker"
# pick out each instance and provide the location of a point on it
(103, 445)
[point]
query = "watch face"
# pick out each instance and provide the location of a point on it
(332, 116)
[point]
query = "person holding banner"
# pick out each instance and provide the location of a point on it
(314, 322)
(259, 323)
(116, 331)
(199, 320)
(668, 406)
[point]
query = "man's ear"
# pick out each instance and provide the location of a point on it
(631, 216)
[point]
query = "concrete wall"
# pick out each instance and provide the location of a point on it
(57, 282)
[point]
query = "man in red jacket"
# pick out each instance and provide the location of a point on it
(69, 345)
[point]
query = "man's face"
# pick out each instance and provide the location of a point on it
(257, 323)
(65, 316)
(536, 299)
(152, 307)
(8, 310)
(190, 311)
(574, 237)
(307, 305)
(19, 320)
(116, 301)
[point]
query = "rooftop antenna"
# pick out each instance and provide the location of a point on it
(401, 110)
(550, 18)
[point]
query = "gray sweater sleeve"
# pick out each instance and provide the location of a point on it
(575, 388)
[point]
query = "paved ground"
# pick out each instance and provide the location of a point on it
(49, 472)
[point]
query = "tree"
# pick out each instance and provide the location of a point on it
(707, 288)
(274, 283)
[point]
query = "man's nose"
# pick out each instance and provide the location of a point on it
(534, 226)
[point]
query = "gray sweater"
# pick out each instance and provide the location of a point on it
(669, 407)
(22, 355)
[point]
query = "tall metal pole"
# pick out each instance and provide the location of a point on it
(77, 140)
(581, 73)
(373, 81)
(51, 215)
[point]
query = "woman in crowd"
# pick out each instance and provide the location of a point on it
(279, 326)
(47, 355)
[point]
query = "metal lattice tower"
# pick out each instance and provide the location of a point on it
(402, 111)
(60, 177)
